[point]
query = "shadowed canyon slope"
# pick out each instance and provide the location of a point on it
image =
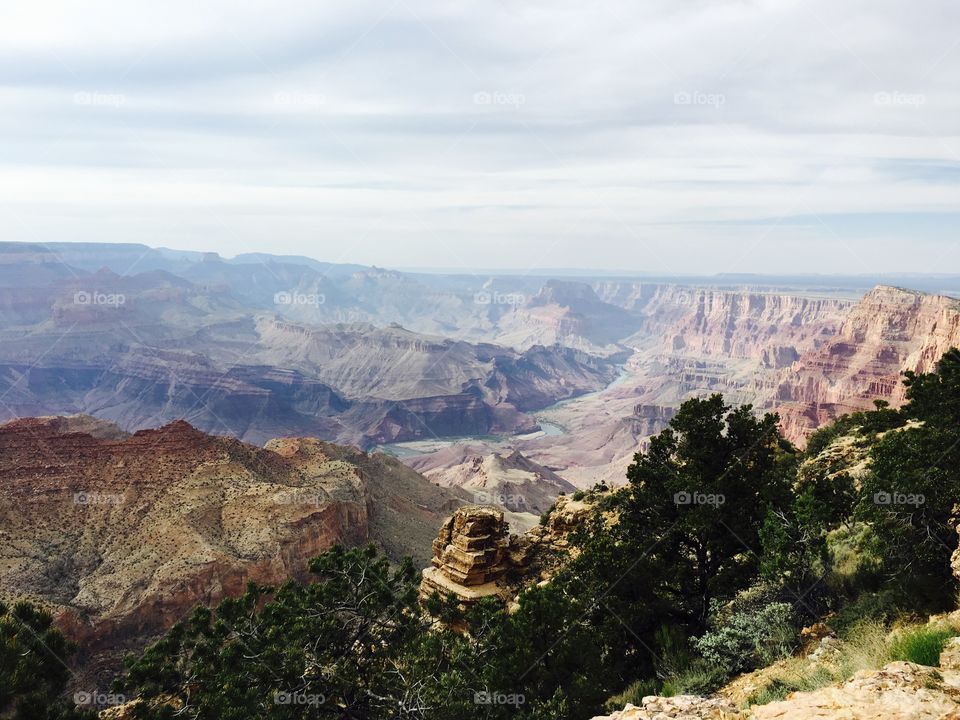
(123, 535)
(147, 349)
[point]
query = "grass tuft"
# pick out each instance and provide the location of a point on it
(921, 645)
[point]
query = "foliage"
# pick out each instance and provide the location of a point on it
(881, 607)
(866, 424)
(33, 665)
(701, 678)
(351, 645)
(354, 644)
(935, 397)
(909, 495)
(701, 494)
(749, 639)
(633, 695)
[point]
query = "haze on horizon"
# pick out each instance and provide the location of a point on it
(694, 138)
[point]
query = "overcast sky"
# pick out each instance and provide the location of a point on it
(667, 137)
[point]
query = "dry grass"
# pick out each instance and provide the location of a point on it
(867, 646)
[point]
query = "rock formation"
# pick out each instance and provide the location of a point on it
(474, 557)
(651, 419)
(898, 691)
(469, 556)
(680, 707)
(889, 331)
(771, 327)
(122, 537)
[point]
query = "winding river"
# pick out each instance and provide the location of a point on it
(547, 428)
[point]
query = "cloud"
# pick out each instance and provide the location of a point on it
(657, 136)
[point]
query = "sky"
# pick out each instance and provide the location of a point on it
(645, 135)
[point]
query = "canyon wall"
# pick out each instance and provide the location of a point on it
(122, 535)
(889, 331)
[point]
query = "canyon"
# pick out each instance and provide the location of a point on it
(147, 349)
(515, 388)
(809, 359)
(122, 535)
(178, 425)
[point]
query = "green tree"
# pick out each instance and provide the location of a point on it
(910, 492)
(934, 397)
(33, 665)
(352, 645)
(698, 498)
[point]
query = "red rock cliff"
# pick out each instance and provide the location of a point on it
(889, 331)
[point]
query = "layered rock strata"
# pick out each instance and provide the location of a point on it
(474, 556)
(122, 536)
(891, 330)
(469, 555)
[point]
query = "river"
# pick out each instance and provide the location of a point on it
(547, 429)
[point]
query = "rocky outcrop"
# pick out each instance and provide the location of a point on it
(680, 707)
(898, 691)
(469, 556)
(889, 331)
(122, 537)
(649, 420)
(955, 560)
(474, 556)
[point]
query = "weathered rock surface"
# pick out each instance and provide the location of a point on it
(474, 556)
(469, 556)
(122, 537)
(680, 707)
(771, 327)
(898, 691)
